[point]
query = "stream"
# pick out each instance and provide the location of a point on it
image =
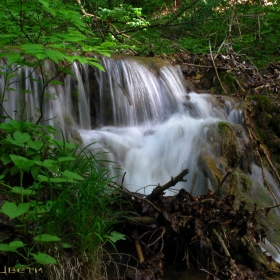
(149, 128)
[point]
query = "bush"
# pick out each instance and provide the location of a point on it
(56, 195)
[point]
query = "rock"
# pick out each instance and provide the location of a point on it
(209, 168)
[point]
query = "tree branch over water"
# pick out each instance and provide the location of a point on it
(160, 189)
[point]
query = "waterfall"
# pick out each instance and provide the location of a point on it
(138, 112)
(144, 122)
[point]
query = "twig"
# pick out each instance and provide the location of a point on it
(228, 173)
(254, 138)
(123, 179)
(216, 70)
(116, 186)
(208, 66)
(142, 220)
(138, 247)
(266, 209)
(222, 243)
(125, 93)
(276, 248)
(194, 181)
(161, 236)
(206, 200)
(185, 9)
(160, 189)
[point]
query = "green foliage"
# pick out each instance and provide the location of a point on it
(43, 258)
(63, 197)
(37, 30)
(125, 14)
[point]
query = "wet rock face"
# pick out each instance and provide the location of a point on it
(209, 168)
(229, 144)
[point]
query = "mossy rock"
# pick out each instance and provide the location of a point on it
(229, 144)
(209, 169)
(68, 120)
(76, 138)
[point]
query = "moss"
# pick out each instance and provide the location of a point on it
(210, 169)
(229, 81)
(263, 103)
(267, 120)
(216, 90)
(229, 144)
(245, 182)
(224, 126)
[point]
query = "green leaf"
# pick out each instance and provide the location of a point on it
(54, 55)
(13, 57)
(12, 141)
(32, 48)
(61, 159)
(22, 191)
(18, 265)
(46, 238)
(7, 127)
(6, 159)
(44, 3)
(108, 44)
(52, 180)
(36, 145)
(35, 171)
(72, 175)
(21, 137)
(43, 258)
(14, 170)
(45, 163)
(15, 124)
(22, 162)
(12, 210)
(115, 236)
(97, 65)
(12, 246)
(66, 245)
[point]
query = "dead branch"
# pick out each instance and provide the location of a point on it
(208, 66)
(126, 94)
(161, 236)
(125, 191)
(216, 70)
(142, 220)
(227, 174)
(160, 189)
(206, 200)
(266, 209)
(194, 180)
(222, 243)
(138, 247)
(260, 150)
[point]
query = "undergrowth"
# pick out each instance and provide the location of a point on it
(54, 202)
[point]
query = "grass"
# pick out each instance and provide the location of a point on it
(58, 199)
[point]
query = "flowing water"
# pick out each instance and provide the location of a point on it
(145, 120)
(138, 112)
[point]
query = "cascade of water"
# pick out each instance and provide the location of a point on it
(145, 121)
(137, 93)
(157, 128)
